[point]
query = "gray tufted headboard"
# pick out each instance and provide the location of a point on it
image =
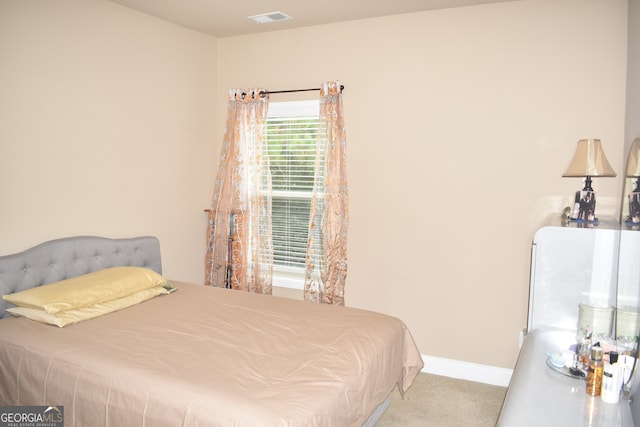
(61, 259)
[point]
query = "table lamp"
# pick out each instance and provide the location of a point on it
(633, 171)
(589, 160)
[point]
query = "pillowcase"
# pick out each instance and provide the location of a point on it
(87, 290)
(79, 314)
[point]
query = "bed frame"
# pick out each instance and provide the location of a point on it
(64, 258)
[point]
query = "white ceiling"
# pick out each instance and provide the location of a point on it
(224, 18)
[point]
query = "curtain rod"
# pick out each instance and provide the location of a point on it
(264, 93)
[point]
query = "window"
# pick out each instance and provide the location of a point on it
(292, 130)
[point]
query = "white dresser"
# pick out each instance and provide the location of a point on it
(570, 265)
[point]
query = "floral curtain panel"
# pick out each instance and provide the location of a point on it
(326, 265)
(239, 247)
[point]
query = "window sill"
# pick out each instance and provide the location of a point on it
(288, 282)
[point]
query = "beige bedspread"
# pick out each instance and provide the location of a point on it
(210, 357)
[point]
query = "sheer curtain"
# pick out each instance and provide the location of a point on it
(239, 246)
(326, 266)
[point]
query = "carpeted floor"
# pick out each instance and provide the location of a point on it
(444, 402)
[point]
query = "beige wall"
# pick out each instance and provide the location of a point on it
(106, 127)
(632, 123)
(460, 123)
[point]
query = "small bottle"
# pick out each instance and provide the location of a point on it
(594, 374)
(584, 350)
(611, 380)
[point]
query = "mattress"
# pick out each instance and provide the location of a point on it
(206, 356)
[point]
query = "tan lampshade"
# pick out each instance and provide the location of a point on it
(633, 162)
(589, 160)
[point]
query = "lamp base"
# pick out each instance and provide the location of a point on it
(634, 208)
(584, 207)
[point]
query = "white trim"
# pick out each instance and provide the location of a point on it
(288, 282)
(467, 371)
(310, 108)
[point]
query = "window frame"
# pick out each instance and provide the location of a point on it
(284, 276)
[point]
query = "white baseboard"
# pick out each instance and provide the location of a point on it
(467, 371)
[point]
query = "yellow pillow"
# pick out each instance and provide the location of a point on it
(79, 314)
(87, 290)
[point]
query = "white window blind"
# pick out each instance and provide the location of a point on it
(292, 130)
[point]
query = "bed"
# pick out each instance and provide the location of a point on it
(199, 356)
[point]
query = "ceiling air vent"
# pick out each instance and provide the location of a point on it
(265, 18)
